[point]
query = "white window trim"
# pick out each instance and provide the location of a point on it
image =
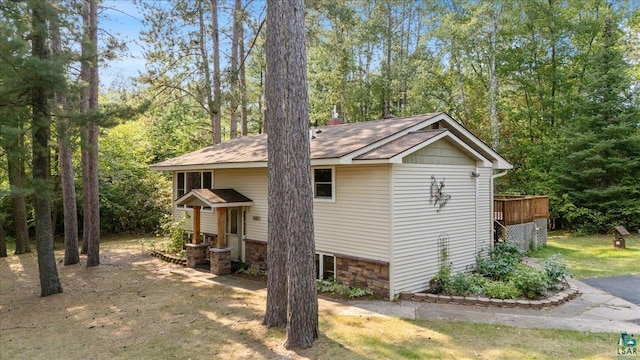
(321, 265)
(333, 184)
(175, 187)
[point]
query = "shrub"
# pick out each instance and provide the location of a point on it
(500, 289)
(176, 234)
(465, 284)
(503, 260)
(253, 271)
(332, 286)
(555, 268)
(529, 281)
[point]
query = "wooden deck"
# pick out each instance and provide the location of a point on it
(519, 209)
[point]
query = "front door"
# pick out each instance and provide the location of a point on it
(234, 229)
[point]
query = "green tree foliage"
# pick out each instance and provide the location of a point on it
(133, 198)
(602, 157)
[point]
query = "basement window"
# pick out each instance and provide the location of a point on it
(325, 266)
(324, 183)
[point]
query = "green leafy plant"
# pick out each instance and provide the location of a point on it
(529, 281)
(176, 234)
(500, 289)
(503, 260)
(332, 286)
(556, 269)
(439, 283)
(253, 271)
(464, 283)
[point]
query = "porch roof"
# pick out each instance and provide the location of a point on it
(214, 198)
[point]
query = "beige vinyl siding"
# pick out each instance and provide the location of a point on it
(484, 203)
(252, 183)
(208, 223)
(441, 152)
(417, 225)
(358, 222)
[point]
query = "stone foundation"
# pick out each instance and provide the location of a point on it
(256, 254)
(220, 261)
(363, 273)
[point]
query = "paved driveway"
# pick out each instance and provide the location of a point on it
(625, 287)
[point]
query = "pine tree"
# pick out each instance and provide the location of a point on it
(602, 162)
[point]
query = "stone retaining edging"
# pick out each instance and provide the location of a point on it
(169, 258)
(565, 295)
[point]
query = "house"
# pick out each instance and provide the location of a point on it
(390, 197)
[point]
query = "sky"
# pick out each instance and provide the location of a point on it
(121, 19)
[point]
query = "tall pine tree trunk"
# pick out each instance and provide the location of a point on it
(3, 242)
(89, 133)
(204, 54)
(243, 82)
(41, 128)
(217, 91)
(71, 255)
(302, 303)
(233, 125)
(15, 162)
(276, 312)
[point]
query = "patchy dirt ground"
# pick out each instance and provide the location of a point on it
(133, 307)
(128, 307)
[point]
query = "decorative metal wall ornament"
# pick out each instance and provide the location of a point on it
(438, 197)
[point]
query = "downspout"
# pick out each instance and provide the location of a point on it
(493, 214)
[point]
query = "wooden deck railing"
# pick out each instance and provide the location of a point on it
(519, 209)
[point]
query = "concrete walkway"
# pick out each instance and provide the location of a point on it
(594, 310)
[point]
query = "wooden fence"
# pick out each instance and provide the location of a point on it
(520, 209)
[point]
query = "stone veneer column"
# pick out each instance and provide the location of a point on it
(220, 261)
(196, 253)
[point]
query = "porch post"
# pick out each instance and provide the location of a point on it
(196, 224)
(221, 241)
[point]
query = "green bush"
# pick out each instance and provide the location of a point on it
(253, 271)
(529, 281)
(503, 260)
(176, 234)
(500, 289)
(464, 283)
(555, 268)
(332, 286)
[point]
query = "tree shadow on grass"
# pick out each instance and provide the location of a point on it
(133, 306)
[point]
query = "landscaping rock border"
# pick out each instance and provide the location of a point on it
(169, 258)
(565, 295)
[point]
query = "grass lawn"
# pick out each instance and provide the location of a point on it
(133, 307)
(594, 256)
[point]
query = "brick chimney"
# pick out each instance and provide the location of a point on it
(335, 120)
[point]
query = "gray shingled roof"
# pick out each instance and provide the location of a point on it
(330, 142)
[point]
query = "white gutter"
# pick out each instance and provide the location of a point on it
(500, 174)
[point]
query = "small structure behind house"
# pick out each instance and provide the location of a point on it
(521, 220)
(619, 232)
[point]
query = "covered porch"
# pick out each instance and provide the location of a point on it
(217, 246)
